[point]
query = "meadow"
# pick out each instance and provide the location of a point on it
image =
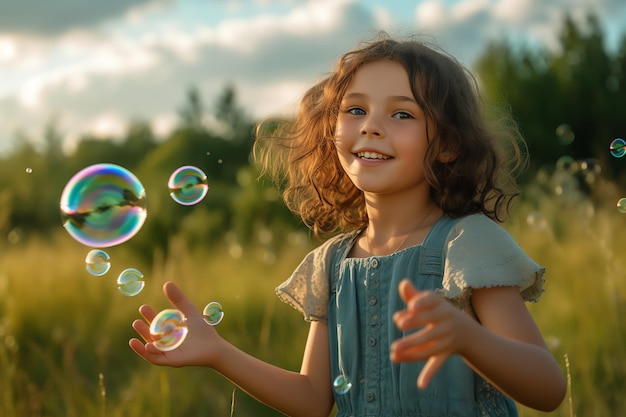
(64, 333)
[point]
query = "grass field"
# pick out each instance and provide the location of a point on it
(64, 333)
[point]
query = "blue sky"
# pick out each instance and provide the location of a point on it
(95, 66)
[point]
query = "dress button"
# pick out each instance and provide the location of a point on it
(371, 341)
(372, 300)
(374, 263)
(374, 317)
(370, 396)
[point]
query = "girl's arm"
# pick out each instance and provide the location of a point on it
(307, 393)
(506, 347)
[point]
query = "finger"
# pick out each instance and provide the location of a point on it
(147, 313)
(424, 300)
(142, 328)
(416, 353)
(433, 365)
(427, 309)
(407, 290)
(147, 351)
(179, 300)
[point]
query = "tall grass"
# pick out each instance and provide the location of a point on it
(64, 333)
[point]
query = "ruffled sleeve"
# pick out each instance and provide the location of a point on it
(307, 290)
(482, 254)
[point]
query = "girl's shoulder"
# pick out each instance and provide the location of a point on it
(307, 288)
(477, 224)
(480, 253)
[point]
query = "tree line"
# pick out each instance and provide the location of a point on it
(567, 101)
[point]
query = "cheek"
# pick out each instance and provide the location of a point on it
(340, 127)
(344, 131)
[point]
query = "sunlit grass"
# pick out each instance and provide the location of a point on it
(64, 333)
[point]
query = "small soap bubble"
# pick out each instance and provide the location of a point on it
(341, 385)
(565, 134)
(618, 148)
(536, 221)
(188, 185)
(97, 262)
(621, 205)
(130, 282)
(567, 163)
(168, 329)
(103, 205)
(213, 313)
(29, 170)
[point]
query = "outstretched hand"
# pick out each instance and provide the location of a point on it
(442, 331)
(200, 347)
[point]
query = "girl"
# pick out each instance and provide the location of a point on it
(416, 301)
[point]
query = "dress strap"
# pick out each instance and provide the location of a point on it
(433, 252)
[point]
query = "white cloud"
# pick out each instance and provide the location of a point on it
(384, 18)
(108, 125)
(140, 66)
(512, 10)
(430, 14)
(466, 9)
(8, 50)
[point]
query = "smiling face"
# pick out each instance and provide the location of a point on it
(381, 134)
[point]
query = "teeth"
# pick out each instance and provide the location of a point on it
(372, 155)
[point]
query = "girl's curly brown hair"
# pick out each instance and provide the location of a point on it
(471, 165)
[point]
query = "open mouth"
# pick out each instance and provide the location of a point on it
(372, 156)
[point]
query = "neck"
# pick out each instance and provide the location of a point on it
(407, 227)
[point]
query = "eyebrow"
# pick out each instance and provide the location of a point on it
(392, 98)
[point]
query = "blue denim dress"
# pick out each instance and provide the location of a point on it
(360, 296)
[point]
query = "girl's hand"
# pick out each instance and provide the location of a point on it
(443, 330)
(200, 347)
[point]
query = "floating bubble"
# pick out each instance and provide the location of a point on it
(130, 282)
(97, 262)
(565, 134)
(168, 329)
(567, 163)
(618, 148)
(536, 221)
(103, 205)
(29, 170)
(213, 313)
(341, 385)
(621, 205)
(188, 185)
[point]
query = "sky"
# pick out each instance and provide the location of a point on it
(92, 67)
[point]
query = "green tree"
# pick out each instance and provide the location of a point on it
(192, 112)
(578, 87)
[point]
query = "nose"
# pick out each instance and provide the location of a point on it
(372, 127)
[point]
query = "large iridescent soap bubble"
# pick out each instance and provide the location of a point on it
(168, 329)
(188, 185)
(103, 205)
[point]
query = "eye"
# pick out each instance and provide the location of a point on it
(356, 111)
(402, 115)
